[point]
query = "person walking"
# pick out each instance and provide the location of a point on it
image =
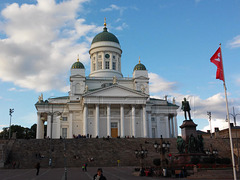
(99, 175)
(38, 168)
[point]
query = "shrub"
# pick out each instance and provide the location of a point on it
(195, 160)
(156, 162)
(209, 160)
(226, 161)
(218, 160)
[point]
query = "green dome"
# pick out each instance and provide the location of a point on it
(105, 36)
(78, 65)
(139, 66)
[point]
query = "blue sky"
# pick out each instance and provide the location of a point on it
(40, 40)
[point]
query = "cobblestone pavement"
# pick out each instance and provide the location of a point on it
(111, 173)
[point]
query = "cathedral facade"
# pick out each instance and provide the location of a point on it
(105, 103)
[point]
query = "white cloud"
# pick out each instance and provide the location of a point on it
(113, 7)
(235, 42)
(158, 84)
(42, 42)
(199, 107)
(122, 26)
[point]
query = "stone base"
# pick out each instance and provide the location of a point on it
(188, 127)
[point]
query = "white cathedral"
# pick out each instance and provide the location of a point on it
(105, 103)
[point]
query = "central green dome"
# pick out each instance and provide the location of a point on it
(105, 36)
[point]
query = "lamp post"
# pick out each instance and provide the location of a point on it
(162, 148)
(65, 160)
(210, 122)
(235, 124)
(52, 113)
(10, 114)
(142, 154)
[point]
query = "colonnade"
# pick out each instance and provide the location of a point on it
(122, 120)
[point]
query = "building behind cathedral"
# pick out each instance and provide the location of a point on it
(105, 103)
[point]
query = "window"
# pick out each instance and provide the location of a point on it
(114, 125)
(107, 65)
(99, 56)
(152, 119)
(64, 132)
(100, 65)
(94, 67)
(114, 65)
(113, 57)
(64, 118)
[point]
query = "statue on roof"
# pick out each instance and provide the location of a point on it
(186, 108)
(40, 98)
(114, 80)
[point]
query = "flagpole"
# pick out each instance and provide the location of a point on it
(229, 126)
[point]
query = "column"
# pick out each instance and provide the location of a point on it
(40, 127)
(57, 131)
(109, 120)
(144, 121)
(133, 121)
(70, 133)
(97, 119)
(85, 112)
(122, 120)
(176, 126)
(149, 125)
(171, 119)
(49, 124)
(96, 62)
(158, 133)
(167, 126)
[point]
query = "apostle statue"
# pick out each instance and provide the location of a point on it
(186, 108)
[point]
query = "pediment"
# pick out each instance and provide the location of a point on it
(116, 91)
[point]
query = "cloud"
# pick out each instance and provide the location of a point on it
(199, 107)
(122, 26)
(114, 7)
(158, 84)
(235, 42)
(41, 42)
(220, 123)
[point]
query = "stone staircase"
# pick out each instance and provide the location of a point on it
(214, 174)
(105, 152)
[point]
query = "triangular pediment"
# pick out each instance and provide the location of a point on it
(116, 91)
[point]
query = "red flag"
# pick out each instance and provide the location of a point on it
(217, 60)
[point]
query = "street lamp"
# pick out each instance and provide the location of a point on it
(142, 154)
(235, 124)
(52, 113)
(10, 114)
(65, 160)
(162, 148)
(211, 151)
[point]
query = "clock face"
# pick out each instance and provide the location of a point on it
(107, 56)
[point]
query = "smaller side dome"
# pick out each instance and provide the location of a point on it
(139, 66)
(77, 65)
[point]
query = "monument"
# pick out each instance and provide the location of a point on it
(188, 127)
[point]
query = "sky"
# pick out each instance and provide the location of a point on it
(175, 39)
